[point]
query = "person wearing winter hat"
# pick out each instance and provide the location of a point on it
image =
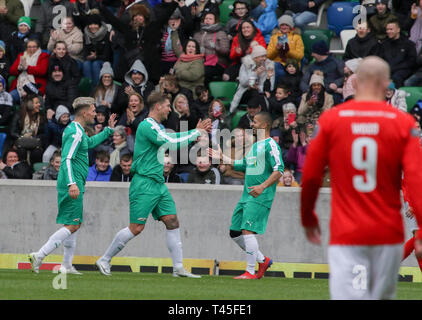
(106, 91)
(256, 72)
(314, 101)
(96, 48)
(18, 39)
(396, 97)
(378, 22)
(285, 43)
(55, 126)
(331, 67)
(348, 89)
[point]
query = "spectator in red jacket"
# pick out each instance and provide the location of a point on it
(30, 66)
(247, 35)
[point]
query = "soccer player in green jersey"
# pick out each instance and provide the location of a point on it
(71, 183)
(148, 192)
(263, 166)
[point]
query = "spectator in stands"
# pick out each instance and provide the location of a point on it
(72, 36)
(174, 36)
(204, 173)
(202, 7)
(291, 79)
(247, 36)
(56, 123)
(18, 39)
(121, 172)
(255, 72)
(235, 148)
(6, 104)
(220, 121)
(168, 172)
(58, 90)
(239, 13)
(267, 20)
(182, 112)
(170, 86)
(362, 45)
(14, 166)
(106, 92)
(30, 66)
(69, 65)
(331, 67)
(28, 128)
(142, 37)
(96, 48)
(101, 170)
(396, 97)
(415, 79)
(285, 43)
(82, 10)
(287, 179)
(52, 171)
(136, 112)
(416, 30)
(277, 102)
(119, 147)
(378, 22)
(189, 68)
(303, 11)
(101, 118)
(52, 15)
(10, 12)
(4, 61)
(348, 89)
(215, 45)
(202, 104)
(315, 101)
(136, 81)
(253, 107)
(289, 123)
(399, 52)
(402, 10)
(297, 152)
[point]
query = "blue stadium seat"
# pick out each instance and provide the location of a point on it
(340, 16)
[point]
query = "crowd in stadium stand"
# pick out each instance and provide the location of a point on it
(118, 52)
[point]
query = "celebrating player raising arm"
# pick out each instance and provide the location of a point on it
(263, 167)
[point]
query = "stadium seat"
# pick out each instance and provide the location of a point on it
(2, 139)
(236, 117)
(226, 7)
(345, 36)
(223, 90)
(340, 16)
(85, 87)
(413, 95)
(40, 165)
(309, 36)
(321, 9)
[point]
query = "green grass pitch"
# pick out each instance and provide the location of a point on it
(25, 285)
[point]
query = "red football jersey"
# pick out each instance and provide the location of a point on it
(367, 146)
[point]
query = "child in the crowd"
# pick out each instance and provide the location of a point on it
(348, 89)
(18, 39)
(396, 97)
(101, 170)
(287, 179)
(276, 102)
(4, 61)
(202, 104)
(6, 104)
(292, 79)
(52, 171)
(101, 119)
(55, 127)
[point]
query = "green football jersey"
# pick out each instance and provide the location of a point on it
(151, 143)
(74, 164)
(260, 162)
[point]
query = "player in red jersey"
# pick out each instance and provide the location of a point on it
(367, 145)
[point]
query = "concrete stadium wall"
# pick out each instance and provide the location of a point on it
(28, 213)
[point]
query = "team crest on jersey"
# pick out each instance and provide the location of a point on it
(76, 220)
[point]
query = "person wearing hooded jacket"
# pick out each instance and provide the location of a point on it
(137, 80)
(267, 21)
(54, 131)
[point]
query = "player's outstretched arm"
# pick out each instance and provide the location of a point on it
(99, 138)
